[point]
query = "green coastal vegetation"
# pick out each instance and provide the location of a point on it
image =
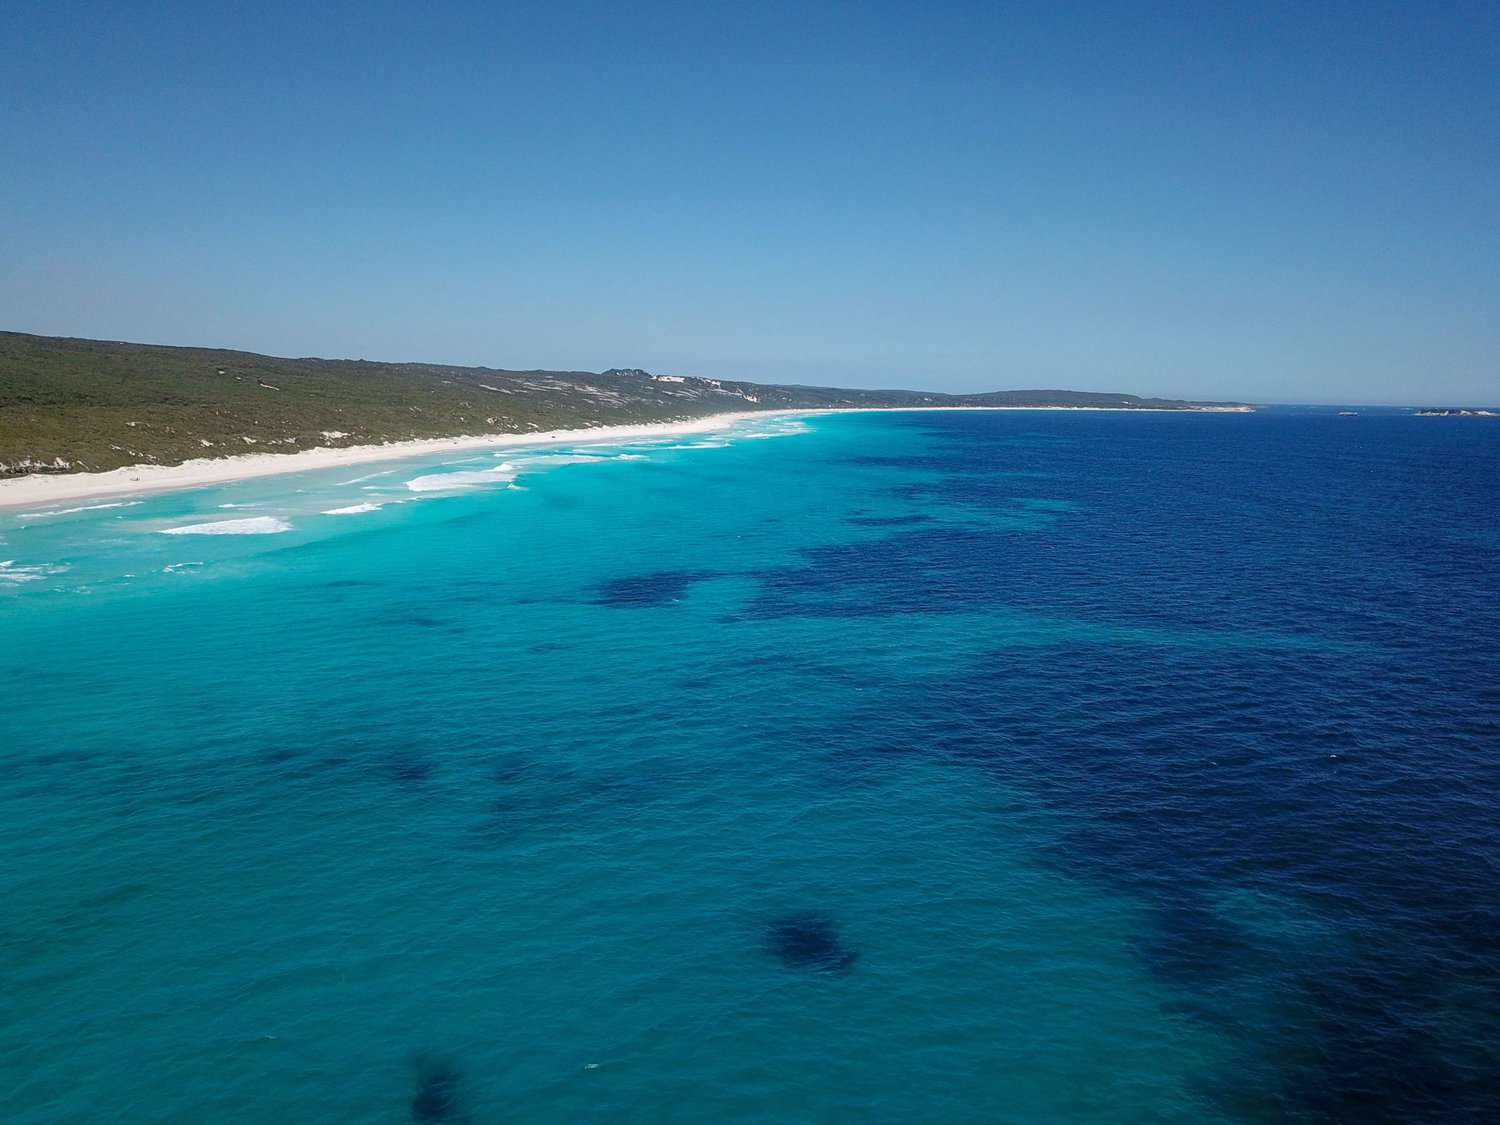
(72, 405)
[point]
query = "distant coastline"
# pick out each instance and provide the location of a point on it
(92, 406)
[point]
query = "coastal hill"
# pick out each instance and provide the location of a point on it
(70, 405)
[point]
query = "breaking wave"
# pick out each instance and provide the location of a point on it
(255, 525)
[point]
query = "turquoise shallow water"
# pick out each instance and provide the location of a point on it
(1029, 767)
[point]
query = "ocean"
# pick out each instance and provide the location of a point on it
(975, 766)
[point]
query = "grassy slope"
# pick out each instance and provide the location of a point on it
(93, 405)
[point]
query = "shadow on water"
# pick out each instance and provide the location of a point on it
(866, 762)
(439, 1089)
(25, 940)
(532, 793)
(1191, 944)
(346, 758)
(411, 619)
(647, 590)
(410, 770)
(1328, 908)
(809, 941)
(1309, 827)
(888, 521)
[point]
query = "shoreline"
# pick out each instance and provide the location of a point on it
(46, 488)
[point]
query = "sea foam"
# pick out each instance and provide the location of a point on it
(443, 482)
(352, 510)
(255, 525)
(565, 459)
(13, 575)
(69, 511)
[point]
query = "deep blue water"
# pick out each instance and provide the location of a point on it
(907, 767)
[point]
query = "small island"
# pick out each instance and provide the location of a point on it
(1457, 412)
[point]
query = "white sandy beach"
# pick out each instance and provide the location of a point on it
(51, 488)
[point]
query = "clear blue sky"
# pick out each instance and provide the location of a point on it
(1293, 202)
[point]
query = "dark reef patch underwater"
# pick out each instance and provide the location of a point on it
(963, 767)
